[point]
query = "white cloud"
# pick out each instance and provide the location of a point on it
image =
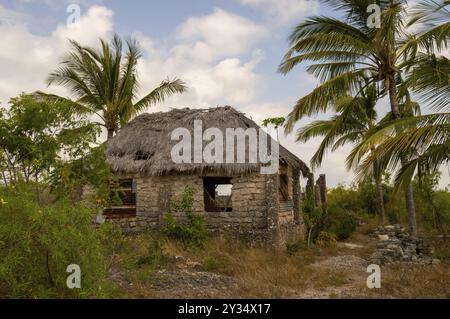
(206, 54)
(284, 11)
(212, 68)
(98, 21)
(222, 32)
(10, 17)
(209, 59)
(227, 81)
(26, 59)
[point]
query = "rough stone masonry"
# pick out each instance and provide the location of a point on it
(395, 245)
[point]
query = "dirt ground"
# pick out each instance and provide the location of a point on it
(225, 269)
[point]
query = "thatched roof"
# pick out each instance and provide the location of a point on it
(144, 145)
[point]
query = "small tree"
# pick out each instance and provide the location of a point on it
(313, 216)
(35, 133)
(194, 232)
(277, 122)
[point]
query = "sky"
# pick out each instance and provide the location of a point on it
(227, 52)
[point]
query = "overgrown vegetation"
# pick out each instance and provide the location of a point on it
(403, 55)
(192, 233)
(39, 241)
(349, 205)
(49, 152)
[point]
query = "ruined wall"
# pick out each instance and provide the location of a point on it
(252, 194)
(154, 195)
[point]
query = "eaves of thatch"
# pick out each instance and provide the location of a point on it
(150, 135)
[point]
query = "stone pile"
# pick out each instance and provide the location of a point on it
(395, 245)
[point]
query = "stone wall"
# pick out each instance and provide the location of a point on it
(252, 195)
(395, 245)
(155, 194)
(130, 224)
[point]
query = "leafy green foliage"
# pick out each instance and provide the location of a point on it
(347, 205)
(38, 242)
(343, 224)
(194, 232)
(292, 247)
(275, 121)
(35, 133)
(354, 117)
(433, 203)
(342, 54)
(314, 217)
(70, 177)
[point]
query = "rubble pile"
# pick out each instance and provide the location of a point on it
(395, 245)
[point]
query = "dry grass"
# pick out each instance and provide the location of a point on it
(257, 272)
(418, 281)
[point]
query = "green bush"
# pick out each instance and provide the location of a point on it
(432, 204)
(38, 242)
(326, 239)
(342, 224)
(192, 233)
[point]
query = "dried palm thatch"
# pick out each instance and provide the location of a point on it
(144, 145)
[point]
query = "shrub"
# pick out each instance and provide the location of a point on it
(342, 224)
(326, 239)
(314, 218)
(154, 255)
(192, 233)
(38, 242)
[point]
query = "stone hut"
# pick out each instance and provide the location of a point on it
(233, 196)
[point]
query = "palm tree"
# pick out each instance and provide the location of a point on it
(355, 117)
(429, 75)
(104, 82)
(344, 53)
(425, 137)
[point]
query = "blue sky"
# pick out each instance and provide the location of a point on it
(226, 51)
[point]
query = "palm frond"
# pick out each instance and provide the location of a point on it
(158, 95)
(430, 80)
(324, 96)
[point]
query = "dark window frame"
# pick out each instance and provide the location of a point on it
(284, 187)
(127, 192)
(210, 184)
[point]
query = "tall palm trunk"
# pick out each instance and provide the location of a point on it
(380, 199)
(409, 196)
(379, 192)
(110, 133)
(4, 179)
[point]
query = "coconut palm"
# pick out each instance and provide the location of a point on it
(429, 75)
(425, 137)
(104, 82)
(356, 116)
(344, 53)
